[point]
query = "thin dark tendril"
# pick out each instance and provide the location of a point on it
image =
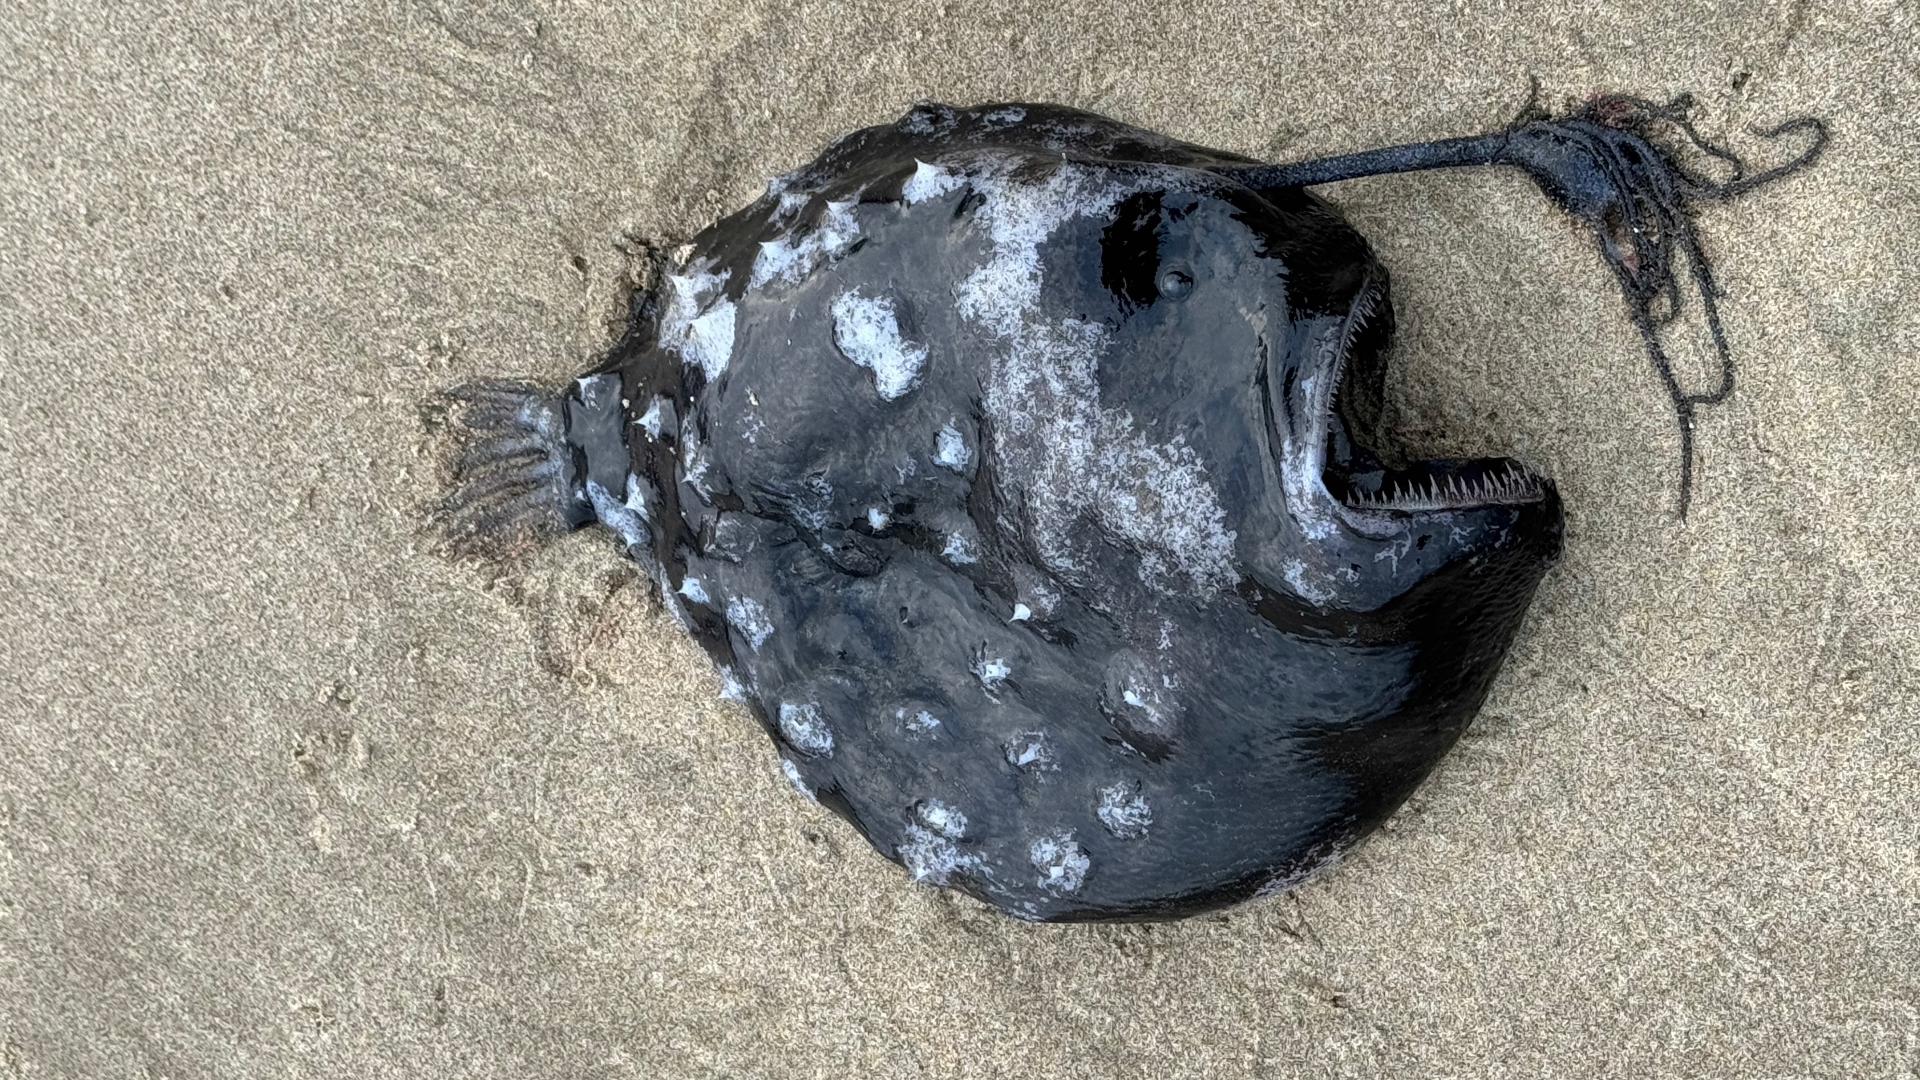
(1643, 227)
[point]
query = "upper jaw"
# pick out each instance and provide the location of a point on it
(1346, 477)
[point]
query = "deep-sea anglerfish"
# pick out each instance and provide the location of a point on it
(1022, 471)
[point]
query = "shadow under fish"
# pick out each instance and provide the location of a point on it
(1022, 470)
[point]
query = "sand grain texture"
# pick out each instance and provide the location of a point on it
(283, 794)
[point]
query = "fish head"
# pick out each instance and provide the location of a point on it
(1258, 324)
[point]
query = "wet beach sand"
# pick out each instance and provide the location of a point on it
(282, 793)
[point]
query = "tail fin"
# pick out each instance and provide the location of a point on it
(512, 477)
(528, 464)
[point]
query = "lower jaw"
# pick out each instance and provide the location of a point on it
(1431, 486)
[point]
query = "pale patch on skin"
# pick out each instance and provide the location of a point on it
(627, 519)
(803, 728)
(699, 321)
(790, 260)
(930, 182)
(1030, 752)
(959, 550)
(814, 507)
(941, 818)
(694, 462)
(929, 119)
(950, 449)
(867, 332)
(918, 722)
(692, 589)
(992, 672)
(1038, 595)
(783, 189)
(792, 773)
(1079, 458)
(1062, 862)
(1124, 811)
(671, 603)
(1302, 580)
(930, 857)
(749, 617)
(651, 420)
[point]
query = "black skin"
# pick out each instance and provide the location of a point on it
(1271, 713)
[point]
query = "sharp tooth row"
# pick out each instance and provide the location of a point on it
(1356, 320)
(1512, 485)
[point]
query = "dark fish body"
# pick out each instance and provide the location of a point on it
(1016, 467)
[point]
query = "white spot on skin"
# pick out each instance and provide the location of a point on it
(732, 539)
(698, 322)
(694, 463)
(950, 449)
(804, 730)
(1062, 862)
(867, 332)
(749, 617)
(929, 182)
(731, 688)
(920, 722)
(628, 519)
(1040, 597)
(672, 604)
(783, 183)
(1306, 584)
(1081, 459)
(814, 510)
(1029, 752)
(692, 589)
(651, 420)
(959, 550)
(789, 259)
(1124, 811)
(791, 203)
(792, 773)
(877, 518)
(1139, 692)
(1021, 613)
(1012, 114)
(941, 818)
(591, 387)
(1151, 704)
(930, 857)
(991, 671)
(925, 119)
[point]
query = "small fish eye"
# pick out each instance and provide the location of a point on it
(1175, 283)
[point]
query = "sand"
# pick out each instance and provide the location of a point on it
(284, 794)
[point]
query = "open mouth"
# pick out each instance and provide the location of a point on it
(1356, 474)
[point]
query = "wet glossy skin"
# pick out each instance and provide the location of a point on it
(1118, 650)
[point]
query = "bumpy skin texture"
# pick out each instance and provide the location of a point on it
(987, 457)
